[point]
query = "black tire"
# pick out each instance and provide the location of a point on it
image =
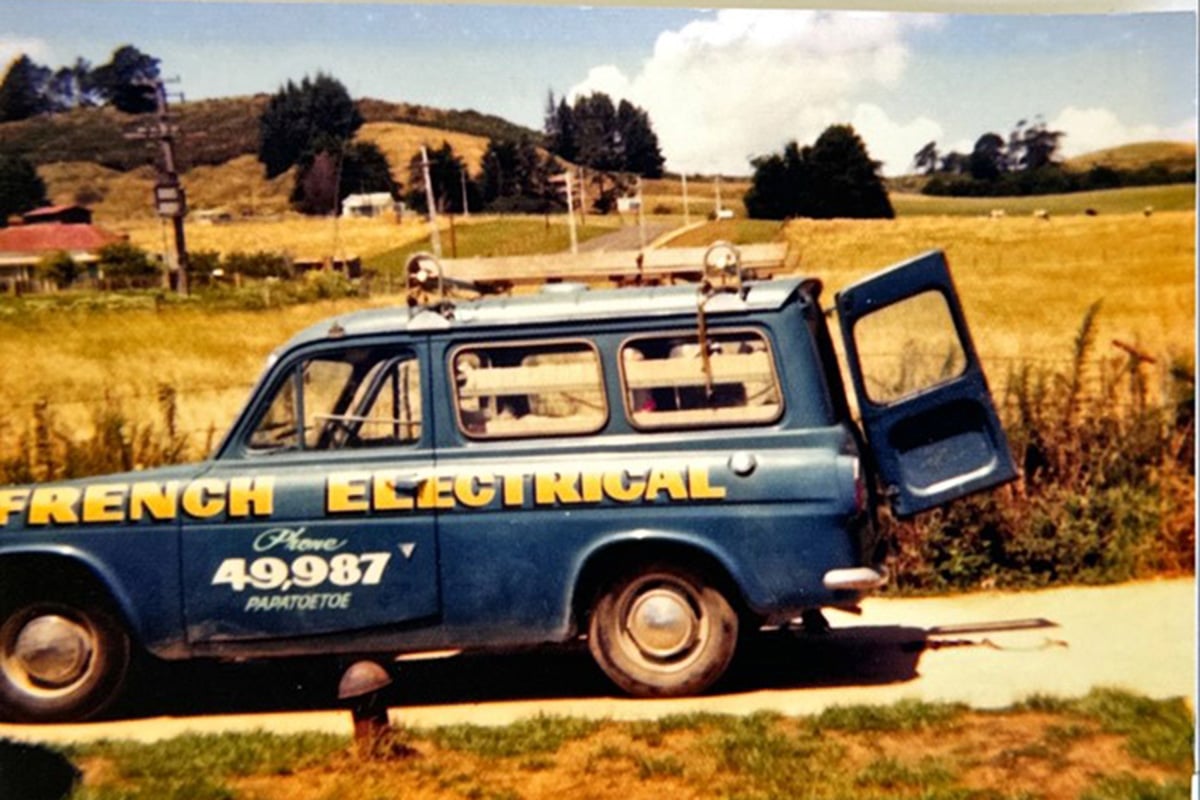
(663, 631)
(62, 658)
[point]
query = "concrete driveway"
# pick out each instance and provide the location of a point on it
(988, 649)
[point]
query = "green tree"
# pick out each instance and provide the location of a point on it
(302, 120)
(560, 129)
(1039, 146)
(365, 169)
(779, 182)
(988, 159)
(926, 159)
(446, 171)
(596, 135)
(74, 87)
(21, 188)
(516, 178)
(834, 177)
(125, 264)
(58, 267)
(640, 152)
(23, 92)
(126, 81)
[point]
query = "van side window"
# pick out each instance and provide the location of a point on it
(360, 397)
(529, 389)
(668, 383)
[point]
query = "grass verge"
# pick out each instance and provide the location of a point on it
(906, 750)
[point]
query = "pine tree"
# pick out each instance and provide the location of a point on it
(24, 90)
(20, 187)
(301, 120)
(125, 82)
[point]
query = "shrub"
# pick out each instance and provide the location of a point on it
(59, 268)
(127, 265)
(1105, 492)
(260, 264)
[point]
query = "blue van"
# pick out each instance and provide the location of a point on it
(657, 469)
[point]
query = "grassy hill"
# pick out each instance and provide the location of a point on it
(84, 155)
(212, 131)
(1175, 156)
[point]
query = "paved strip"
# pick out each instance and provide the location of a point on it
(988, 649)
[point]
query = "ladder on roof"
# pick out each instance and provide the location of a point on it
(621, 267)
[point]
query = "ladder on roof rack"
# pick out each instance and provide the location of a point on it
(622, 267)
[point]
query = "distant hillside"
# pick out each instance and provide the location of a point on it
(469, 121)
(1174, 156)
(213, 131)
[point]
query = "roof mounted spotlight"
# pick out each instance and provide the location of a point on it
(723, 260)
(426, 275)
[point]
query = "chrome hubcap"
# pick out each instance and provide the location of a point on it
(53, 651)
(662, 623)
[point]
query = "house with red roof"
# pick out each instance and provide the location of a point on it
(44, 231)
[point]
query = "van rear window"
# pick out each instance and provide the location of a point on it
(675, 381)
(529, 389)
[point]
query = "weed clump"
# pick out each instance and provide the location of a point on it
(1105, 493)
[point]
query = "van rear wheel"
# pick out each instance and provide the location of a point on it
(662, 631)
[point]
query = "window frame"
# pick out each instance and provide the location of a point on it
(484, 344)
(290, 370)
(694, 337)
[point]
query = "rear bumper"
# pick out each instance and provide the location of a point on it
(855, 579)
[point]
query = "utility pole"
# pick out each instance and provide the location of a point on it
(717, 213)
(687, 219)
(641, 215)
(571, 216)
(565, 179)
(583, 195)
(169, 199)
(466, 208)
(433, 229)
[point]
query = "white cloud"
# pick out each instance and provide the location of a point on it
(890, 142)
(1089, 129)
(743, 82)
(13, 46)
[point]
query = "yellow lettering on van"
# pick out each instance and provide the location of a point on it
(385, 495)
(556, 487)
(104, 502)
(156, 500)
(346, 492)
(669, 479)
(474, 491)
(699, 487)
(12, 501)
(436, 492)
(514, 489)
(54, 504)
(621, 487)
(204, 498)
(592, 486)
(251, 497)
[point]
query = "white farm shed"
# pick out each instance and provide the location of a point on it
(373, 204)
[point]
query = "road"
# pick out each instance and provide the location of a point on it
(987, 649)
(627, 237)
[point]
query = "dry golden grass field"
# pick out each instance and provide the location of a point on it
(1025, 283)
(400, 142)
(297, 235)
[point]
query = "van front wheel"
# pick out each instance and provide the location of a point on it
(61, 659)
(662, 631)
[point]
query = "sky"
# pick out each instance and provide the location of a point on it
(721, 86)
